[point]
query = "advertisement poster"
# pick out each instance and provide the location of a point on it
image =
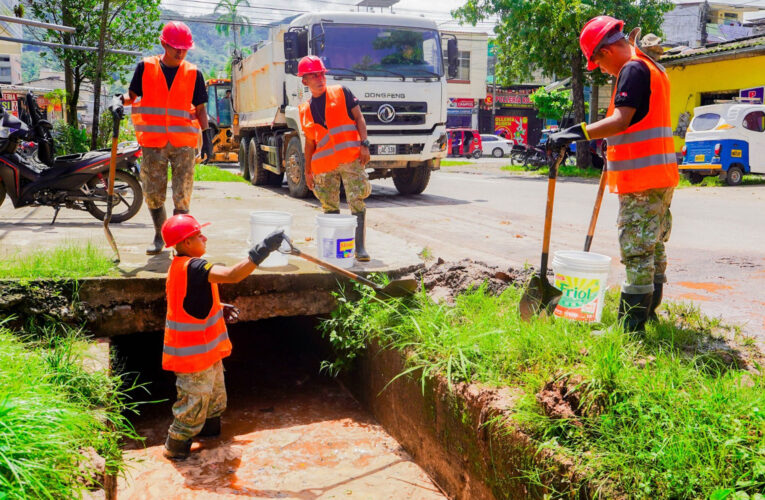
(515, 128)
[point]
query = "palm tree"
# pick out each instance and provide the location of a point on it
(231, 21)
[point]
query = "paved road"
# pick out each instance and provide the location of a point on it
(716, 249)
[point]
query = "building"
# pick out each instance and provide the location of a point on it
(51, 80)
(10, 52)
(694, 23)
(704, 75)
(469, 86)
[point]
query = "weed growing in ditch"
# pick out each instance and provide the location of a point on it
(54, 415)
(69, 260)
(670, 414)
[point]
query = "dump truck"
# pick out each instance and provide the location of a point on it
(393, 64)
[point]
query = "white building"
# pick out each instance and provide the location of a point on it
(469, 87)
(10, 52)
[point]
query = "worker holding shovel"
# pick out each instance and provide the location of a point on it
(642, 167)
(196, 339)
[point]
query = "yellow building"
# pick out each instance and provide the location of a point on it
(702, 76)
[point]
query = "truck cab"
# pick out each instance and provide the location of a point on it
(727, 140)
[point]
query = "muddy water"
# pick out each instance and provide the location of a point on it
(288, 432)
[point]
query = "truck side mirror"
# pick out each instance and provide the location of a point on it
(291, 45)
(452, 56)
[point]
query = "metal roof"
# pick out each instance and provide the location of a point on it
(755, 43)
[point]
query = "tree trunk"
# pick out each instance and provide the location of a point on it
(99, 76)
(75, 97)
(594, 98)
(577, 90)
(71, 100)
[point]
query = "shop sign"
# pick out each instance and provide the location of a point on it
(457, 102)
(513, 98)
(753, 96)
(515, 128)
(10, 102)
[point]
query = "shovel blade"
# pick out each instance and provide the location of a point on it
(398, 288)
(540, 297)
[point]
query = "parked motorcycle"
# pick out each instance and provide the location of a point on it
(77, 181)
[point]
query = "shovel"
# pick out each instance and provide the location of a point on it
(540, 296)
(394, 289)
(596, 208)
(116, 117)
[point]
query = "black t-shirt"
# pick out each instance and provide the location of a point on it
(319, 104)
(633, 89)
(198, 300)
(200, 91)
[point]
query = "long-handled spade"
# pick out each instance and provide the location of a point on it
(541, 295)
(116, 117)
(394, 289)
(596, 208)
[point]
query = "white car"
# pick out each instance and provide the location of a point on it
(495, 145)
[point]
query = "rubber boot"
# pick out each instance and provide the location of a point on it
(658, 292)
(633, 310)
(361, 252)
(211, 428)
(158, 217)
(335, 212)
(177, 450)
(177, 211)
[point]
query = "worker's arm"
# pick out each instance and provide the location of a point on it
(234, 274)
(617, 123)
(310, 147)
(361, 126)
(201, 110)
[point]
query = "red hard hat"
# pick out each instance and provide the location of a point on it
(593, 35)
(310, 64)
(177, 35)
(179, 227)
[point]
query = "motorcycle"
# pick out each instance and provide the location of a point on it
(76, 181)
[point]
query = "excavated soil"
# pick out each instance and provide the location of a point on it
(445, 280)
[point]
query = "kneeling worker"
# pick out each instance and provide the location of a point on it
(196, 339)
(336, 146)
(642, 167)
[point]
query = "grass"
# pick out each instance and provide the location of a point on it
(54, 414)
(211, 173)
(455, 163)
(715, 181)
(563, 171)
(69, 260)
(660, 416)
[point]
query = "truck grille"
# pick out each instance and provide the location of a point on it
(406, 113)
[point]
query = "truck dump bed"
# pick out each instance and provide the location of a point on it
(259, 85)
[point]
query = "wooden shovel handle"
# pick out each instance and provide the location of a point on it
(596, 209)
(549, 210)
(335, 269)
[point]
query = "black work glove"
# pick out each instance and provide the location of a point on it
(259, 252)
(207, 147)
(117, 107)
(230, 313)
(567, 136)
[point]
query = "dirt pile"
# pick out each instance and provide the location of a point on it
(561, 399)
(34, 300)
(445, 280)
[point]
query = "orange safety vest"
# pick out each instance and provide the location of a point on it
(339, 142)
(163, 114)
(643, 156)
(191, 344)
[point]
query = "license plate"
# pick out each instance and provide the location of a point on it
(735, 153)
(698, 158)
(386, 149)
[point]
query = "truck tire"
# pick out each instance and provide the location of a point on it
(295, 167)
(412, 180)
(244, 170)
(735, 175)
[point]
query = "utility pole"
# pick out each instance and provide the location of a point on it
(99, 75)
(494, 91)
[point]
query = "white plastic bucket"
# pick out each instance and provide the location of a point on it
(582, 277)
(263, 223)
(335, 239)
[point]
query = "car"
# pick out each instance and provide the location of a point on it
(727, 140)
(464, 142)
(495, 145)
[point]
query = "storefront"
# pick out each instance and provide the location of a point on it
(10, 103)
(461, 113)
(514, 116)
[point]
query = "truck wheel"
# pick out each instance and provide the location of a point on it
(411, 180)
(735, 175)
(244, 171)
(295, 167)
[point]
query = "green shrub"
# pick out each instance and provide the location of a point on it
(69, 139)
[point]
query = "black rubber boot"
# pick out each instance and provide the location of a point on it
(333, 212)
(177, 211)
(158, 217)
(633, 310)
(658, 292)
(361, 231)
(177, 450)
(211, 428)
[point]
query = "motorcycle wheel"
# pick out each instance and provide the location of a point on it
(129, 197)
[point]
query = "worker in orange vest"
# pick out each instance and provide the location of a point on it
(642, 166)
(196, 339)
(336, 147)
(168, 98)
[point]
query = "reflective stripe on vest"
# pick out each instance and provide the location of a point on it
(339, 142)
(191, 344)
(165, 115)
(643, 156)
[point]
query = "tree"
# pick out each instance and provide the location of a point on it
(544, 35)
(552, 105)
(132, 25)
(230, 20)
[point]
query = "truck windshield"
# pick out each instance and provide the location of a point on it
(379, 50)
(706, 121)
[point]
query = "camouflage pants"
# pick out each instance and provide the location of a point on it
(357, 187)
(644, 225)
(154, 175)
(201, 395)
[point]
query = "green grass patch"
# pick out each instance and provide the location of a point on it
(211, 173)
(54, 414)
(455, 163)
(715, 181)
(69, 260)
(563, 171)
(660, 416)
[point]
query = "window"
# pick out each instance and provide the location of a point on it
(755, 121)
(463, 65)
(488, 138)
(706, 121)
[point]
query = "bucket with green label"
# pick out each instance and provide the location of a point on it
(582, 278)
